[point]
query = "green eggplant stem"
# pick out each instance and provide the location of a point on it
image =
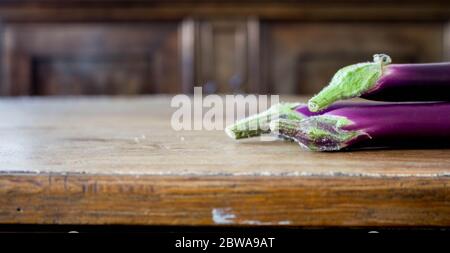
(258, 124)
(349, 82)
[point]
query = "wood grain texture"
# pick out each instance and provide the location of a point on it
(102, 135)
(117, 161)
(161, 200)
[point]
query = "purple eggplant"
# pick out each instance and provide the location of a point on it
(379, 80)
(370, 125)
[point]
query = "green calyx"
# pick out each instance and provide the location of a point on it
(349, 82)
(258, 124)
(317, 133)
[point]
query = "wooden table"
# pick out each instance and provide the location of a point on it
(117, 161)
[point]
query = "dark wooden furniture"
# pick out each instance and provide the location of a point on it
(118, 161)
(70, 47)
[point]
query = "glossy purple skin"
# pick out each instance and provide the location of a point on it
(399, 124)
(303, 109)
(412, 82)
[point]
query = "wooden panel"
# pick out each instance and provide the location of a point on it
(119, 75)
(227, 56)
(447, 41)
(59, 59)
(301, 58)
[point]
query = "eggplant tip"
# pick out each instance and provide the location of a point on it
(230, 133)
(313, 106)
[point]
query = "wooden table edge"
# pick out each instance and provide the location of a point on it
(310, 201)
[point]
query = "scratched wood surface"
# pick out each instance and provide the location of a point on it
(118, 161)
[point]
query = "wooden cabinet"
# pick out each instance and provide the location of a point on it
(139, 47)
(73, 59)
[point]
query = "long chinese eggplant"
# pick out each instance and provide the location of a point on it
(370, 125)
(382, 81)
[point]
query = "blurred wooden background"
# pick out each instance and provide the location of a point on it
(126, 47)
